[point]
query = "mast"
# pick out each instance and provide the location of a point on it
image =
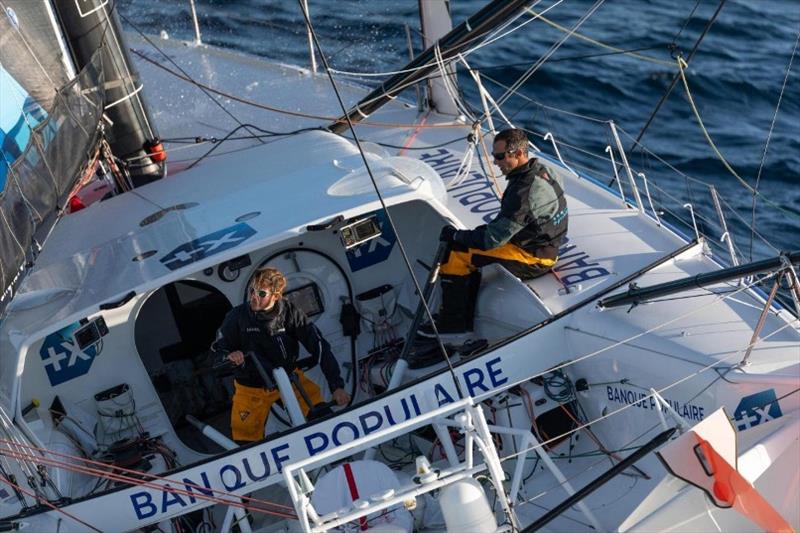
(494, 14)
(92, 25)
(435, 21)
(634, 295)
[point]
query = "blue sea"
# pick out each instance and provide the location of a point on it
(735, 78)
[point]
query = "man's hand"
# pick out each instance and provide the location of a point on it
(237, 358)
(341, 397)
(447, 234)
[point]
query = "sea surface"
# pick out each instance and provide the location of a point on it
(735, 77)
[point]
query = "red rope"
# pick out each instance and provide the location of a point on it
(147, 484)
(47, 503)
(127, 479)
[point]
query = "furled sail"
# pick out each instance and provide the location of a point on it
(49, 118)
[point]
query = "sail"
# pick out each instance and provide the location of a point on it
(49, 121)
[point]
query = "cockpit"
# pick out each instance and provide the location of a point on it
(139, 372)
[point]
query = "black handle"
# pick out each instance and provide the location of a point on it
(119, 303)
(441, 257)
(326, 225)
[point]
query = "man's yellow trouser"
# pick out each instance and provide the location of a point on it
(516, 260)
(251, 407)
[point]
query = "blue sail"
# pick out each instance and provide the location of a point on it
(49, 118)
(19, 115)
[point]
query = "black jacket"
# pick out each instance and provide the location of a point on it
(533, 215)
(273, 336)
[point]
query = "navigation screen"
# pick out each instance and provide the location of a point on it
(307, 299)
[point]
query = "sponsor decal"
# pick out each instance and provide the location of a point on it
(241, 471)
(756, 409)
(208, 245)
(688, 411)
(575, 266)
(375, 250)
(62, 359)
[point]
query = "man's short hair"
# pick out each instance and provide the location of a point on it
(515, 139)
(269, 279)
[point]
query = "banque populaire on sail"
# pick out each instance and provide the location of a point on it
(648, 383)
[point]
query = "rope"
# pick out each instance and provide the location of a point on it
(168, 58)
(676, 77)
(718, 299)
(530, 72)
(44, 501)
(769, 136)
(265, 107)
(492, 38)
(688, 178)
(600, 44)
(659, 391)
(389, 219)
(136, 479)
(681, 67)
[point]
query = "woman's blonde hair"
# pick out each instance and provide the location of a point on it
(269, 279)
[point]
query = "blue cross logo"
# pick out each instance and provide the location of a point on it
(757, 409)
(208, 245)
(376, 250)
(62, 359)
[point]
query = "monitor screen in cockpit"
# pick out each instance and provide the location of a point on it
(307, 298)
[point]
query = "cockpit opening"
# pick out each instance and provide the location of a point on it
(174, 330)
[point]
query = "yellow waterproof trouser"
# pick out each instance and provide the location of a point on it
(251, 407)
(512, 257)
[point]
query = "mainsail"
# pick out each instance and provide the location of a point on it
(49, 120)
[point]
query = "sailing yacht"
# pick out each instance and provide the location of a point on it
(642, 385)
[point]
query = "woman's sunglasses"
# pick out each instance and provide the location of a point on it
(261, 292)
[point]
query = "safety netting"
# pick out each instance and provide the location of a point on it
(49, 130)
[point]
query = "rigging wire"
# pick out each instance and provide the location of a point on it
(677, 75)
(389, 218)
(614, 49)
(265, 107)
(682, 65)
(553, 49)
(715, 301)
(173, 62)
(46, 502)
(456, 47)
(247, 127)
(769, 136)
(135, 478)
(648, 396)
(681, 71)
(688, 19)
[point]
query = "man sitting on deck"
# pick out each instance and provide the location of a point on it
(524, 237)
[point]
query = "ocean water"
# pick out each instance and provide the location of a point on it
(735, 79)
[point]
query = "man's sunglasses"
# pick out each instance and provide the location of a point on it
(261, 292)
(502, 155)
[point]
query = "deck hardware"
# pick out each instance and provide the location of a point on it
(726, 236)
(118, 303)
(627, 166)
(649, 198)
(549, 137)
(610, 152)
(762, 318)
(694, 220)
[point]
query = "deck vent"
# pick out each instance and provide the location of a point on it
(248, 216)
(158, 215)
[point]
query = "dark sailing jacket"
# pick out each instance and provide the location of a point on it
(533, 215)
(274, 336)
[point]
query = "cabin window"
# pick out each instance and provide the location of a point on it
(173, 334)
